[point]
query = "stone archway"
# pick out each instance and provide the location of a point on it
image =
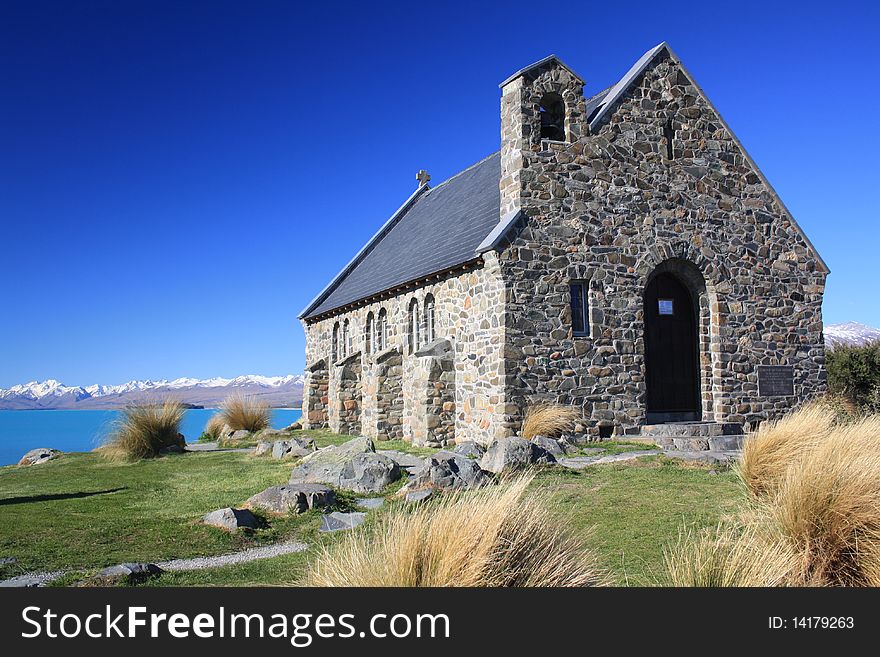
(316, 396)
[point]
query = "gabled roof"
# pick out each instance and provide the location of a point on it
(539, 63)
(435, 230)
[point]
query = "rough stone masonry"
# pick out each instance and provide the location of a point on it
(622, 254)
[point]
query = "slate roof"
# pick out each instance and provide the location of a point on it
(438, 229)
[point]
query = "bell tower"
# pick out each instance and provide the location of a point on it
(540, 104)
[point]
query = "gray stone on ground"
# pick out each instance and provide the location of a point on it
(172, 449)
(449, 471)
(293, 447)
(418, 495)
(470, 449)
(263, 447)
(338, 521)
(241, 434)
(296, 426)
(297, 498)
(705, 456)
(370, 502)
(130, 572)
(580, 462)
(403, 459)
(31, 580)
(354, 466)
(514, 453)
(550, 444)
(8, 561)
(231, 519)
(39, 455)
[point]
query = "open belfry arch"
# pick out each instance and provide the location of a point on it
(621, 253)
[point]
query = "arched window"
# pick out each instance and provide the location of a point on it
(414, 326)
(346, 339)
(382, 331)
(369, 333)
(334, 343)
(429, 318)
(552, 117)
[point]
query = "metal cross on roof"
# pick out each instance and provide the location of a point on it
(423, 177)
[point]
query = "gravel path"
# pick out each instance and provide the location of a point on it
(212, 447)
(251, 554)
(580, 462)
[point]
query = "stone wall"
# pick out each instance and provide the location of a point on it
(389, 396)
(316, 391)
(611, 208)
(468, 315)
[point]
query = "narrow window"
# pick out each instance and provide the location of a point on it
(580, 317)
(369, 333)
(429, 318)
(382, 331)
(334, 344)
(414, 325)
(552, 112)
(346, 339)
(669, 134)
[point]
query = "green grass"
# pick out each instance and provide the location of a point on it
(83, 512)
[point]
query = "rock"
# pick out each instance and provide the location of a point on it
(231, 519)
(370, 502)
(549, 444)
(296, 426)
(368, 473)
(297, 498)
(353, 466)
(514, 453)
(39, 455)
(337, 521)
(263, 447)
(8, 561)
(418, 495)
(172, 449)
(130, 573)
(403, 459)
(470, 449)
(293, 447)
(241, 434)
(449, 471)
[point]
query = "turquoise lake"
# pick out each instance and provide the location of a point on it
(82, 431)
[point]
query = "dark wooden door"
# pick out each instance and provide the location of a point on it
(672, 373)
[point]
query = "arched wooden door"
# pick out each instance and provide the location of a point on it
(671, 352)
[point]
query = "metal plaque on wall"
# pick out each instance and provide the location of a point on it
(775, 380)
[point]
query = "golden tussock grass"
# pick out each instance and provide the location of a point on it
(244, 412)
(548, 420)
(215, 426)
(144, 430)
(498, 536)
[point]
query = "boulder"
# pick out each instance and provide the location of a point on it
(172, 449)
(470, 449)
(241, 434)
(409, 462)
(297, 498)
(296, 426)
(130, 573)
(293, 447)
(231, 519)
(549, 444)
(449, 471)
(336, 521)
(418, 495)
(39, 455)
(370, 502)
(514, 453)
(353, 466)
(263, 447)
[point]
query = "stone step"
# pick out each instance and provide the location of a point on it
(694, 436)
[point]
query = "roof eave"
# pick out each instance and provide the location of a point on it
(541, 62)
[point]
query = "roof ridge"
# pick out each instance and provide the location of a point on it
(475, 164)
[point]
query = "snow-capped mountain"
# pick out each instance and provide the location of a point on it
(276, 390)
(850, 334)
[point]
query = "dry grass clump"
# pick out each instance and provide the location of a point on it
(244, 412)
(215, 427)
(548, 420)
(492, 537)
(827, 508)
(144, 430)
(814, 519)
(769, 452)
(730, 554)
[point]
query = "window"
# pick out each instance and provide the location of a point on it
(666, 306)
(669, 135)
(580, 309)
(382, 331)
(369, 333)
(346, 339)
(414, 325)
(334, 344)
(552, 114)
(429, 318)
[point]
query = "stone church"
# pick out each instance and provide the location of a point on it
(621, 254)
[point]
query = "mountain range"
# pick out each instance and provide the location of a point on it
(277, 391)
(850, 334)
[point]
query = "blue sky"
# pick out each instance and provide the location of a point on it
(178, 179)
